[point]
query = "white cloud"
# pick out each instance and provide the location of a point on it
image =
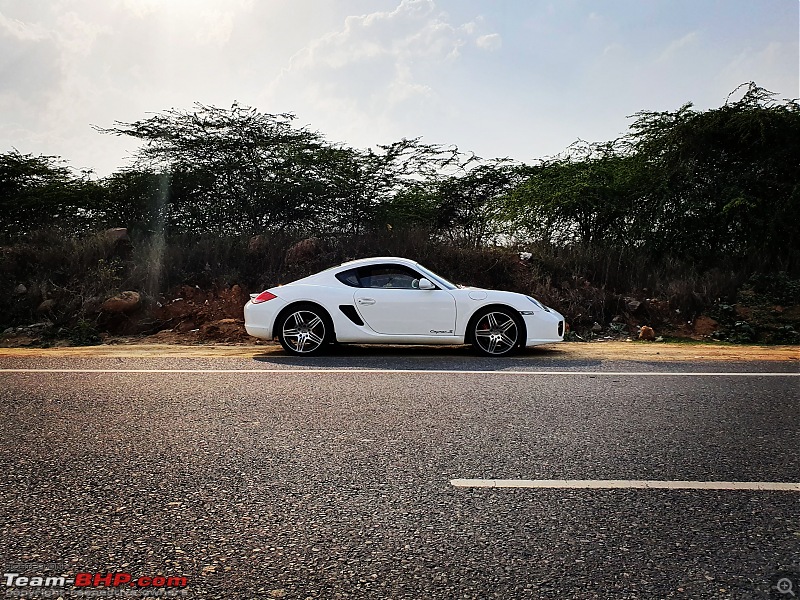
(411, 30)
(141, 8)
(215, 28)
(21, 30)
(372, 71)
(491, 41)
(378, 68)
(77, 36)
(207, 22)
(678, 46)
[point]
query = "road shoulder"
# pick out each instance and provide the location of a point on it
(629, 351)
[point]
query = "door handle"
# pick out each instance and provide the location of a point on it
(366, 301)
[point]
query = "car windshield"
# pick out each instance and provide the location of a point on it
(437, 279)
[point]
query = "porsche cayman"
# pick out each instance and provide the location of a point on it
(389, 300)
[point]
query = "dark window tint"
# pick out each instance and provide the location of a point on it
(349, 278)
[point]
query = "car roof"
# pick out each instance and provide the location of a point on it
(378, 260)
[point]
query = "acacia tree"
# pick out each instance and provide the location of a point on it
(722, 182)
(472, 206)
(39, 192)
(584, 195)
(236, 170)
(697, 185)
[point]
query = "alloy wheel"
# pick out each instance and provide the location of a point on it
(303, 332)
(496, 333)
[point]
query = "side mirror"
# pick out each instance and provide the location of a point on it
(425, 284)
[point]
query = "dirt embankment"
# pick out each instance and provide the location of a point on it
(767, 310)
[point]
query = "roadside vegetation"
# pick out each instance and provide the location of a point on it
(687, 224)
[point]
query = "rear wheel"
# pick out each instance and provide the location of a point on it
(496, 332)
(304, 330)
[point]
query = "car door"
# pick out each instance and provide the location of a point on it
(390, 302)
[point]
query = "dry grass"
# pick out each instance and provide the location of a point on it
(585, 283)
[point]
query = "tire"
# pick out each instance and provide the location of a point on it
(304, 330)
(496, 332)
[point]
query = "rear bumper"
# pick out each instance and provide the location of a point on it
(259, 319)
(264, 333)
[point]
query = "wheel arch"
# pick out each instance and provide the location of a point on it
(294, 305)
(468, 334)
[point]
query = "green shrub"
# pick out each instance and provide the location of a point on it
(84, 333)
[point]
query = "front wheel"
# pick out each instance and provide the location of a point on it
(496, 332)
(304, 331)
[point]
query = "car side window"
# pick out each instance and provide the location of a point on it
(349, 277)
(389, 276)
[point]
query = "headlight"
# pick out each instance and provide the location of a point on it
(537, 303)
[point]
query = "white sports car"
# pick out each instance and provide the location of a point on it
(391, 300)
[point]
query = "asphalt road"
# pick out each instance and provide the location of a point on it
(336, 484)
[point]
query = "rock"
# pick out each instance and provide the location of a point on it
(119, 242)
(8, 331)
(40, 325)
(116, 235)
(20, 290)
(646, 333)
(46, 306)
(618, 319)
(303, 251)
(704, 326)
(123, 303)
(597, 328)
(525, 256)
(632, 305)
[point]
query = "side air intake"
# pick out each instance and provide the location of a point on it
(350, 312)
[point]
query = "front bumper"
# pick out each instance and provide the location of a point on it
(544, 327)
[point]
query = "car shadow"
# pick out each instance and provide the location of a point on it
(462, 357)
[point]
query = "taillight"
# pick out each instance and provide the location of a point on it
(263, 297)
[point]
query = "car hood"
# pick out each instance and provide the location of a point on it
(513, 299)
(518, 301)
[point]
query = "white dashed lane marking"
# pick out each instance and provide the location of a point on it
(625, 484)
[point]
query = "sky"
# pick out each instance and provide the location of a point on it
(521, 79)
